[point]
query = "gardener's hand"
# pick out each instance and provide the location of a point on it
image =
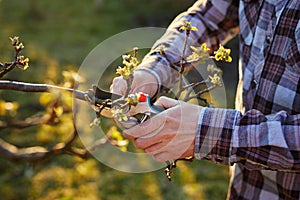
(169, 135)
(142, 82)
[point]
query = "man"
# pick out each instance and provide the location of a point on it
(261, 138)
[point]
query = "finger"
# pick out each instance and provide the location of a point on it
(165, 135)
(150, 127)
(153, 139)
(166, 102)
(139, 108)
(118, 86)
(163, 156)
(155, 149)
(144, 82)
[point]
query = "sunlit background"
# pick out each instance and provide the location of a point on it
(57, 36)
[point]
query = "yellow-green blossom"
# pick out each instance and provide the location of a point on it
(24, 63)
(14, 40)
(124, 71)
(199, 53)
(212, 69)
(216, 80)
(132, 99)
(187, 26)
(119, 115)
(223, 54)
(130, 61)
(130, 64)
(204, 47)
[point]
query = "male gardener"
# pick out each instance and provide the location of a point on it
(261, 138)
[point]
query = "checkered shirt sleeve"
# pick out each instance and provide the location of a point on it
(256, 140)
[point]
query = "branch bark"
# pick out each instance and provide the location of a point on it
(25, 123)
(36, 87)
(39, 153)
(7, 67)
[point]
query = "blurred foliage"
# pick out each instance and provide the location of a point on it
(58, 35)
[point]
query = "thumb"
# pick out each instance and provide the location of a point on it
(166, 102)
(118, 86)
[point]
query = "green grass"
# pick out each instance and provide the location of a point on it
(58, 35)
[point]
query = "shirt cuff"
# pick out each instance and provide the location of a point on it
(214, 134)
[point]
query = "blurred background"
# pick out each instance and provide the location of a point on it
(57, 36)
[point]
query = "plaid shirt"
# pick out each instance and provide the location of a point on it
(261, 138)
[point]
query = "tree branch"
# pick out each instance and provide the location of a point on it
(99, 98)
(36, 87)
(38, 153)
(28, 122)
(13, 153)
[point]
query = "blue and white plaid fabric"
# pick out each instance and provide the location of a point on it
(261, 138)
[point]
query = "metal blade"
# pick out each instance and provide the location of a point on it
(102, 94)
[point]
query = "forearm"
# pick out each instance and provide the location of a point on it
(256, 140)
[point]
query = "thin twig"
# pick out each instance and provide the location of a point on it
(189, 88)
(172, 65)
(197, 95)
(28, 122)
(129, 83)
(7, 67)
(189, 91)
(186, 87)
(182, 60)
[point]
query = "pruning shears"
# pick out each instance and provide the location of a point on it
(106, 104)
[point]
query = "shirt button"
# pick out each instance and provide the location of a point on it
(254, 84)
(268, 39)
